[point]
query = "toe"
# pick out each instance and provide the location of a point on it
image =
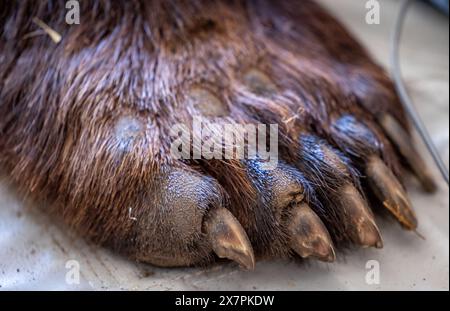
(360, 222)
(333, 177)
(404, 144)
(367, 146)
(170, 228)
(391, 193)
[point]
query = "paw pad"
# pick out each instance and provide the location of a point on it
(127, 130)
(258, 82)
(208, 104)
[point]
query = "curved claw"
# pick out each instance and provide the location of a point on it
(390, 192)
(361, 223)
(228, 239)
(309, 236)
(402, 141)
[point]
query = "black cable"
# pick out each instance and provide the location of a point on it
(401, 90)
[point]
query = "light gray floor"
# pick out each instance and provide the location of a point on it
(34, 251)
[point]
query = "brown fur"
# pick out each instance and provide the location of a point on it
(60, 105)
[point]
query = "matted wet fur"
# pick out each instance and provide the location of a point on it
(85, 125)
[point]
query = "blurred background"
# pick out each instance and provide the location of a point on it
(37, 254)
(440, 5)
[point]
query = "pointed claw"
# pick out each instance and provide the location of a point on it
(404, 144)
(390, 192)
(228, 238)
(361, 223)
(309, 236)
